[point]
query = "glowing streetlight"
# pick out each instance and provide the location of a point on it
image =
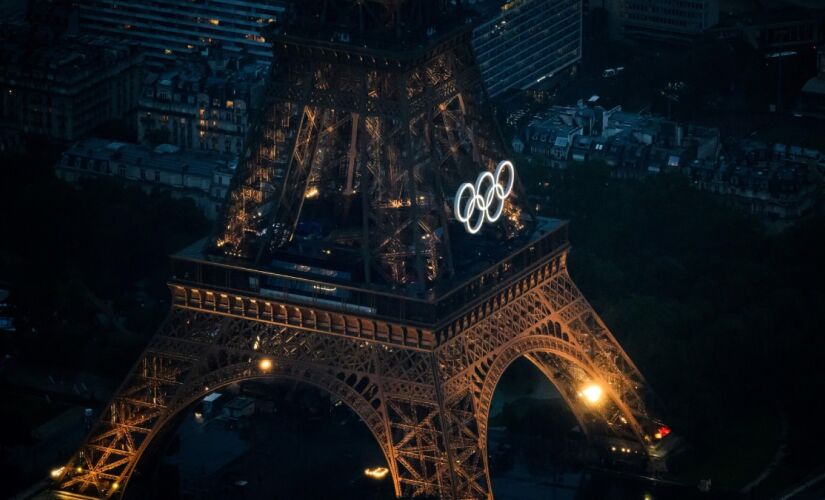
(592, 393)
(376, 472)
(311, 193)
(265, 364)
(56, 473)
(662, 431)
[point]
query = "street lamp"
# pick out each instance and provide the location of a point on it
(592, 393)
(376, 472)
(56, 473)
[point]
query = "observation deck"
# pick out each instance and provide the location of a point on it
(488, 267)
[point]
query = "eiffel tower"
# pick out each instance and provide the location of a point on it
(357, 255)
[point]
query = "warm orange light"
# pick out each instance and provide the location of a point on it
(398, 203)
(56, 473)
(265, 364)
(592, 393)
(376, 472)
(662, 432)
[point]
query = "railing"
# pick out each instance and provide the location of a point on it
(435, 308)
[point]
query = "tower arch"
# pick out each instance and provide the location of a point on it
(328, 383)
(178, 369)
(339, 258)
(570, 375)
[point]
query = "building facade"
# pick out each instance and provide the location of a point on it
(632, 144)
(812, 98)
(12, 10)
(202, 177)
(170, 28)
(665, 20)
(778, 29)
(526, 41)
(66, 89)
(205, 107)
(770, 181)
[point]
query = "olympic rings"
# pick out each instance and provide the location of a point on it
(476, 208)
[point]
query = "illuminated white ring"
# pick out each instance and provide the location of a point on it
(465, 208)
(502, 193)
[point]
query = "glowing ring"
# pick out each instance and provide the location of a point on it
(474, 210)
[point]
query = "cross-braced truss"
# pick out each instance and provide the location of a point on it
(387, 135)
(375, 135)
(426, 406)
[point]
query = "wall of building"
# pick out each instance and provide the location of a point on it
(200, 109)
(170, 28)
(68, 91)
(12, 10)
(668, 20)
(527, 40)
(202, 177)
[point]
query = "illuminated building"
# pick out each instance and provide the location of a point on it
(201, 108)
(523, 42)
(666, 20)
(167, 29)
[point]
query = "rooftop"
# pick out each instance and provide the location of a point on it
(68, 59)
(164, 157)
(230, 78)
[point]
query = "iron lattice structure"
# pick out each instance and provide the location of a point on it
(376, 135)
(394, 309)
(425, 394)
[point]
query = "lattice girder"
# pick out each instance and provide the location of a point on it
(426, 406)
(406, 131)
